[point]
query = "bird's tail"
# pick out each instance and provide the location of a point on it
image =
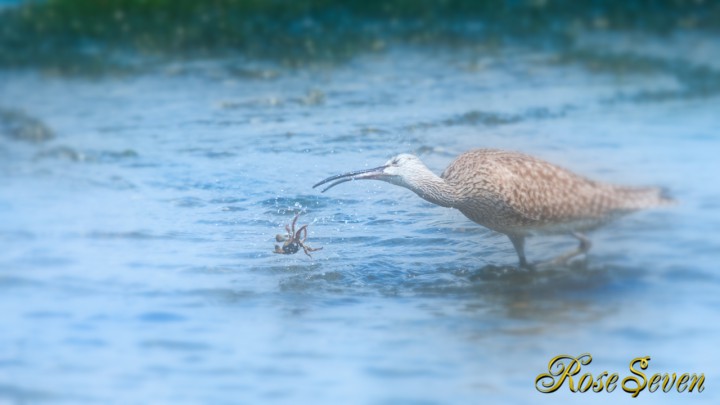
(636, 198)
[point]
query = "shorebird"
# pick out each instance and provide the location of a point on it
(515, 194)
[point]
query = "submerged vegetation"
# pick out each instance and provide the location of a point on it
(73, 34)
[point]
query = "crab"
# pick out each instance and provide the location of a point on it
(294, 240)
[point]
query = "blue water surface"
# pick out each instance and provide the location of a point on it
(137, 260)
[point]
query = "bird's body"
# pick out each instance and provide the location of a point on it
(511, 192)
(515, 194)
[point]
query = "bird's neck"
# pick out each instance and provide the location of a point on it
(431, 187)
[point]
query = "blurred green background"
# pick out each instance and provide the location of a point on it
(72, 35)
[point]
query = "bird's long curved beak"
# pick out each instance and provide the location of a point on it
(366, 174)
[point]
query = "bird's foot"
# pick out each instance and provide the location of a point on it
(492, 272)
(564, 261)
(530, 267)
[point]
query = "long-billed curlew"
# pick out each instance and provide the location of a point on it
(514, 194)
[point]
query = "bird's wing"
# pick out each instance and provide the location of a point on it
(535, 190)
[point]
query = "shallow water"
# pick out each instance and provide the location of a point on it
(137, 262)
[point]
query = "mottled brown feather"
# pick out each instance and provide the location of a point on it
(514, 193)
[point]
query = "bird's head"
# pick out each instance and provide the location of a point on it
(400, 170)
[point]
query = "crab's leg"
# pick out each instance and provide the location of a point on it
(300, 232)
(305, 249)
(295, 221)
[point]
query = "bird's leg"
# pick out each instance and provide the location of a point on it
(582, 248)
(518, 242)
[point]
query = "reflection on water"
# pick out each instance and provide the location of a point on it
(138, 215)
